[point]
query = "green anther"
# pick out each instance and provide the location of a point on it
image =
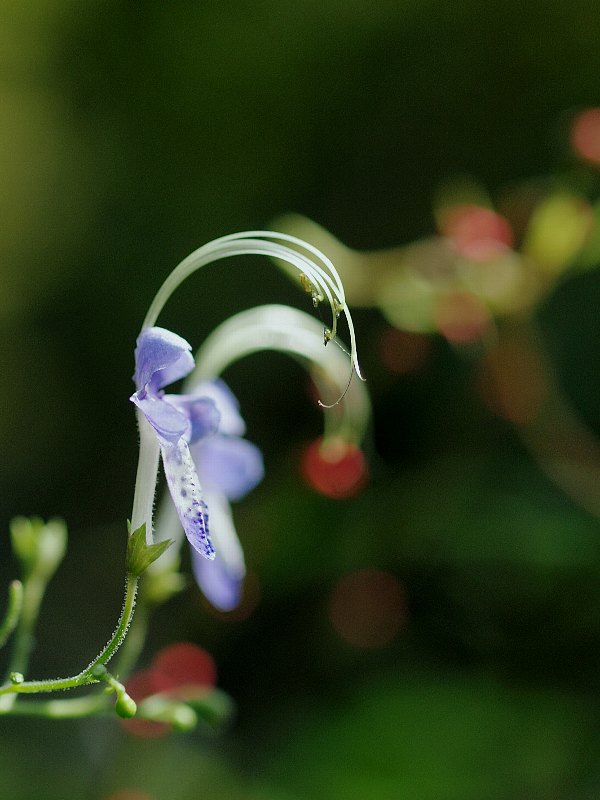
(16, 677)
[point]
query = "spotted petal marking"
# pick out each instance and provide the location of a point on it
(185, 490)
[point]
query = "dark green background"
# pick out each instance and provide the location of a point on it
(133, 132)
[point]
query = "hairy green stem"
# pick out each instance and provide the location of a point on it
(134, 643)
(85, 676)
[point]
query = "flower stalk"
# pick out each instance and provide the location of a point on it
(87, 675)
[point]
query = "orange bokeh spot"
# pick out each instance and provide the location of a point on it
(334, 468)
(477, 233)
(368, 608)
(461, 317)
(585, 135)
(402, 352)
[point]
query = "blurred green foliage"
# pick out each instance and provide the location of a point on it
(131, 133)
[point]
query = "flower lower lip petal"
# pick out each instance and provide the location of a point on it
(168, 422)
(185, 490)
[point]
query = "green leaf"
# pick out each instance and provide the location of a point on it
(139, 554)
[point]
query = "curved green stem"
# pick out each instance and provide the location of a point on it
(564, 447)
(86, 675)
(131, 586)
(136, 636)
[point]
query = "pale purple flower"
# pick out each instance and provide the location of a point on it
(176, 425)
(162, 357)
(204, 456)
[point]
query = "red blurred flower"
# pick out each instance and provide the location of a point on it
(476, 232)
(180, 671)
(585, 135)
(334, 468)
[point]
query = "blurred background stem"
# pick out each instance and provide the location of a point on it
(13, 611)
(527, 391)
(34, 588)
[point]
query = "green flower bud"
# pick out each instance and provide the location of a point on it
(125, 706)
(39, 546)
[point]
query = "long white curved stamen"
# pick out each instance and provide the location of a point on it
(325, 278)
(210, 253)
(333, 279)
(286, 330)
(328, 264)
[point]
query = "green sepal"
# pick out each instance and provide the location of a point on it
(139, 554)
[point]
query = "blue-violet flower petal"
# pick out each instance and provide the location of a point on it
(201, 413)
(231, 422)
(161, 358)
(229, 465)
